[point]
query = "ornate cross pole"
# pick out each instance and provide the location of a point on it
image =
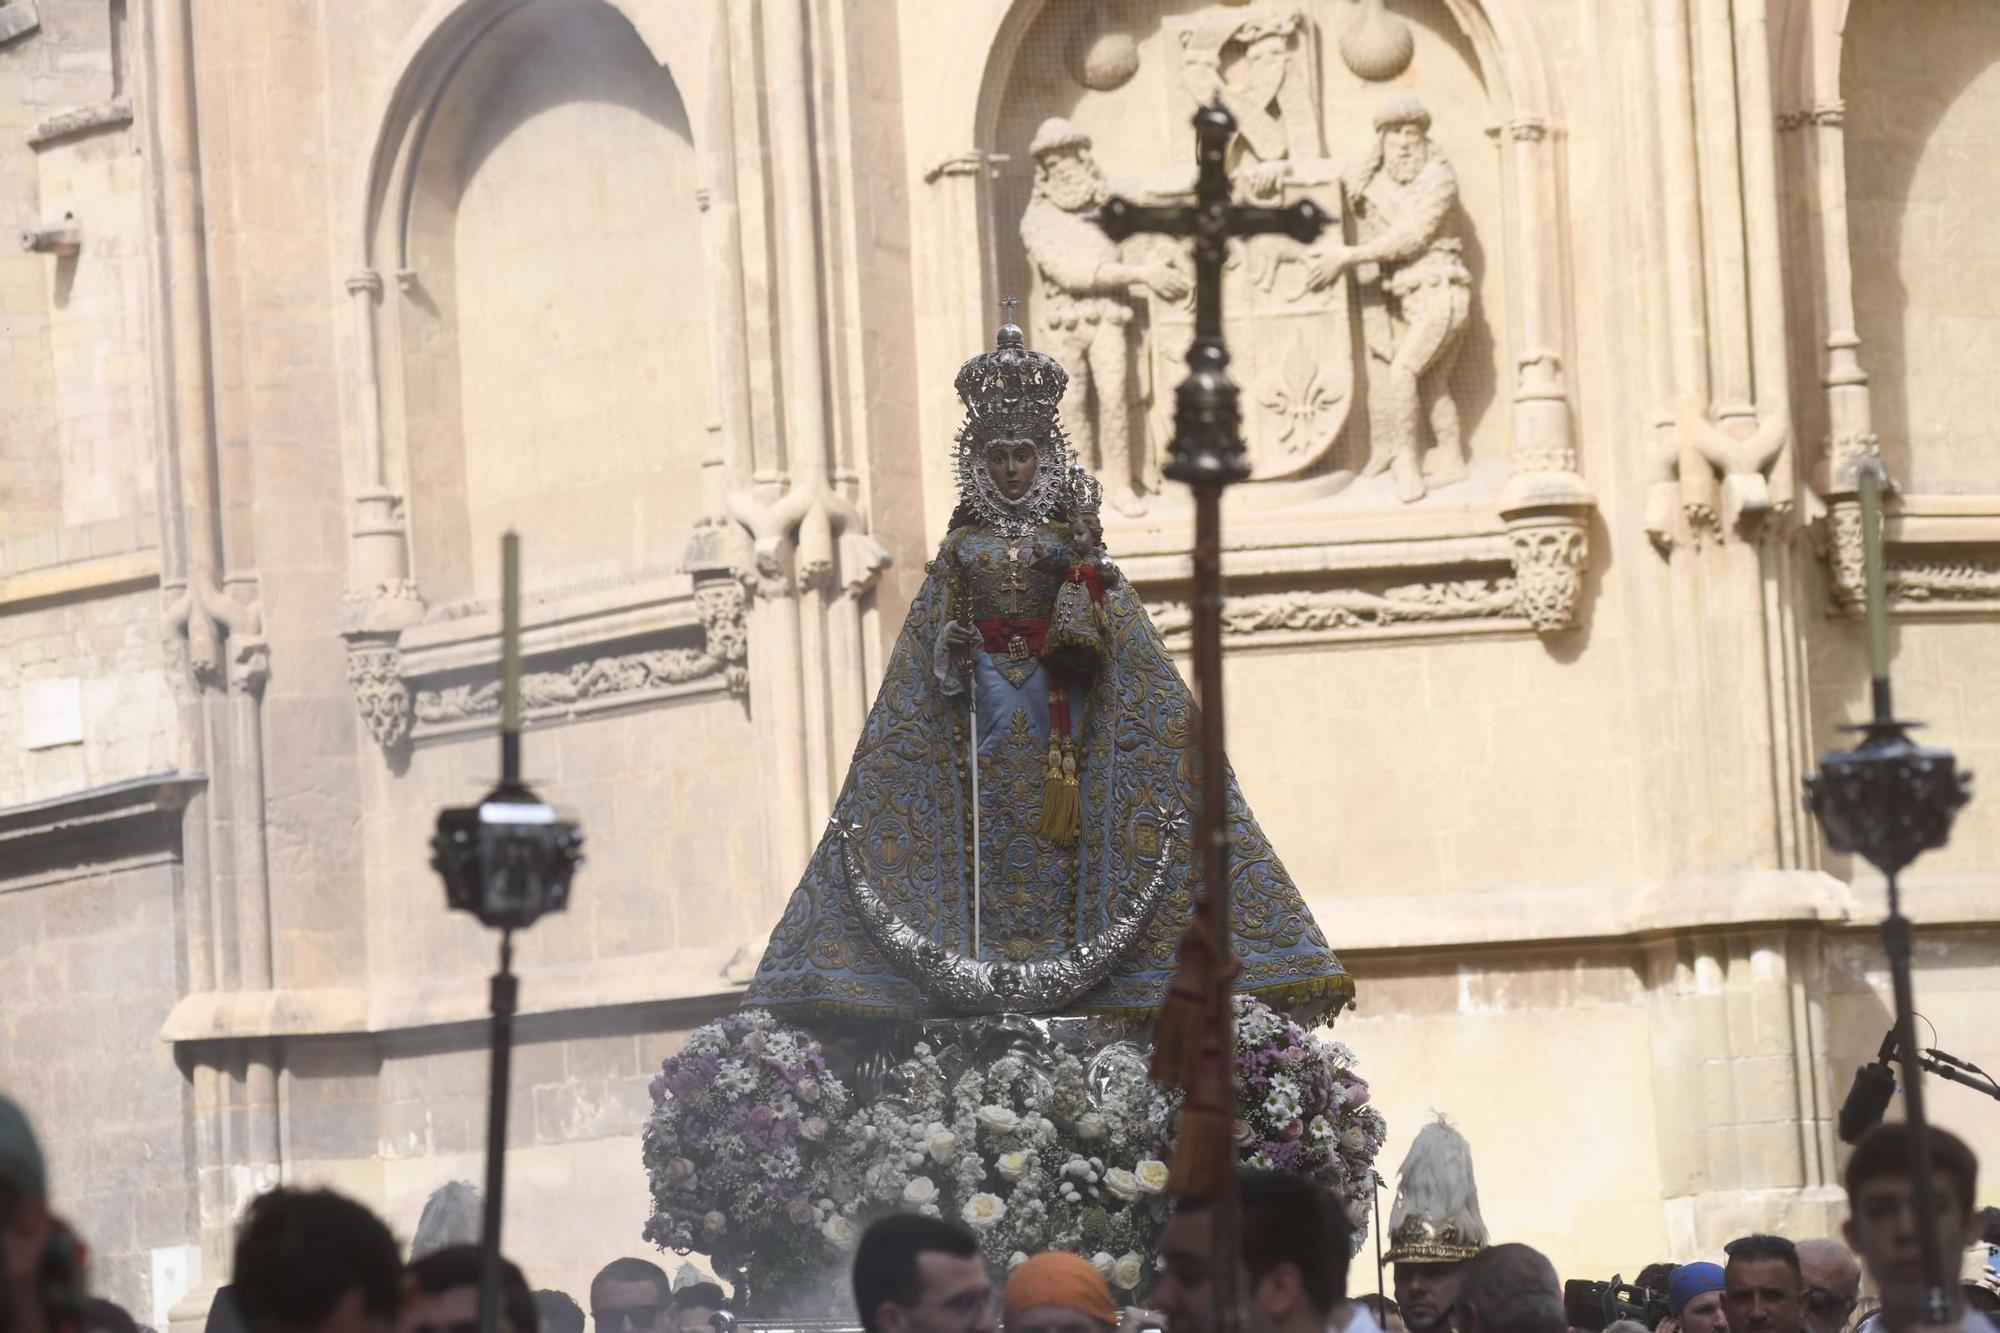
(1207, 454)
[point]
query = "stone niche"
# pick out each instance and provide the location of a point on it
(533, 353)
(1395, 487)
(554, 352)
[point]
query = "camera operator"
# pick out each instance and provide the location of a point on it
(1694, 1300)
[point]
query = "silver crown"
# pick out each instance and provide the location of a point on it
(1011, 390)
(1086, 493)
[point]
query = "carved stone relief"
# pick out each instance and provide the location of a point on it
(396, 701)
(1397, 259)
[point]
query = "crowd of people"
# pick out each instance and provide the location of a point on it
(314, 1261)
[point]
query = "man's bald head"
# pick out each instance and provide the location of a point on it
(1833, 1284)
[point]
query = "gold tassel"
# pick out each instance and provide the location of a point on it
(1052, 791)
(1205, 1137)
(1069, 824)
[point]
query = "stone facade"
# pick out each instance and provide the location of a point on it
(1542, 596)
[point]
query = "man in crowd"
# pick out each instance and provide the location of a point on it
(559, 1313)
(1694, 1298)
(441, 1294)
(1509, 1289)
(1054, 1292)
(916, 1274)
(41, 1260)
(695, 1304)
(630, 1296)
(1882, 1222)
(1833, 1284)
(312, 1261)
(1291, 1262)
(1434, 1226)
(1763, 1289)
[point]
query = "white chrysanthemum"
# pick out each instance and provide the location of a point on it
(735, 1078)
(1320, 1128)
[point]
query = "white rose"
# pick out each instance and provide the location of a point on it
(1091, 1126)
(1353, 1140)
(1016, 1259)
(713, 1223)
(1126, 1272)
(983, 1210)
(998, 1119)
(1122, 1183)
(1151, 1175)
(1103, 1263)
(839, 1232)
(943, 1145)
(1245, 1134)
(920, 1190)
(812, 1128)
(1011, 1165)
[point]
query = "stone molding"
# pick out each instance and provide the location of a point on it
(115, 114)
(98, 826)
(1942, 552)
(18, 20)
(582, 652)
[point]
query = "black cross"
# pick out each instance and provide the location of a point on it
(1207, 454)
(1208, 445)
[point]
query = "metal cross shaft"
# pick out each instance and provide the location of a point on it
(1207, 454)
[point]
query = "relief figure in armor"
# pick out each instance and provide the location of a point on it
(1012, 832)
(1415, 292)
(1086, 304)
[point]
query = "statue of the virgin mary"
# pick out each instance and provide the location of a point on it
(1012, 834)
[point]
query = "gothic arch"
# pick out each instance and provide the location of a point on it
(417, 502)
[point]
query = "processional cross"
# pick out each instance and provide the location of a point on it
(1207, 454)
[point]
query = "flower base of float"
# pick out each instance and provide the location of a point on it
(771, 1146)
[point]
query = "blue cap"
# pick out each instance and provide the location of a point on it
(1690, 1281)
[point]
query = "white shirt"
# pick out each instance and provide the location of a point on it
(1360, 1319)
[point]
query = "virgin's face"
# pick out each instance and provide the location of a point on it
(1011, 463)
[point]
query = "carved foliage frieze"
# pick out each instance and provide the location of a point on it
(401, 699)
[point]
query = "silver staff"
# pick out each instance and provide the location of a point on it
(972, 762)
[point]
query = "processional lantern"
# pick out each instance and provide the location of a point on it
(1207, 454)
(1889, 800)
(508, 861)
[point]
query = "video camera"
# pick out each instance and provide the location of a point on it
(1592, 1305)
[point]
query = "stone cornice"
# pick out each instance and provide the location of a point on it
(96, 811)
(708, 973)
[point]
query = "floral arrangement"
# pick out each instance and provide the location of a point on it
(761, 1159)
(1301, 1109)
(742, 1133)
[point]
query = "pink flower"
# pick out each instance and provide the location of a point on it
(809, 1090)
(754, 1043)
(801, 1213)
(1358, 1094)
(1292, 1129)
(1291, 1055)
(760, 1116)
(680, 1173)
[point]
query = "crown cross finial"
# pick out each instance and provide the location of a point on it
(1007, 307)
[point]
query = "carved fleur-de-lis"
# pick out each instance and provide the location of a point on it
(1306, 403)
